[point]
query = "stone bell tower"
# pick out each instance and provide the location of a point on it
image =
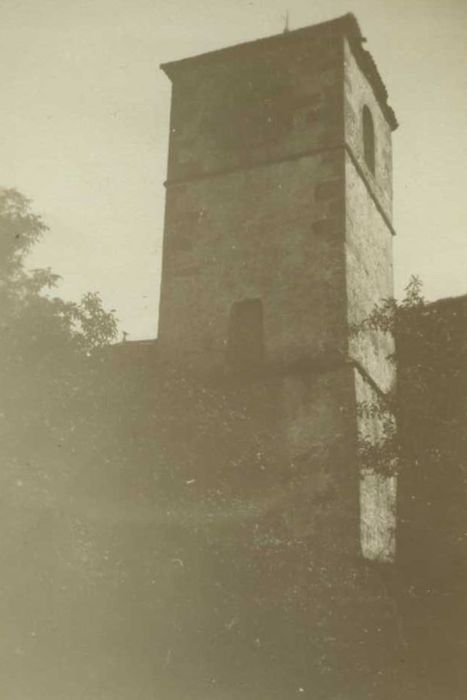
(278, 233)
(278, 242)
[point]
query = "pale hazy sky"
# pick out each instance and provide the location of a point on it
(84, 127)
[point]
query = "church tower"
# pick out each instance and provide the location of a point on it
(278, 234)
(277, 245)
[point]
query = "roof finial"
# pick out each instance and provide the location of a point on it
(286, 23)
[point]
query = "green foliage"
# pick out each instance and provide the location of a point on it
(44, 340)
(51, 391)
(32, 322)
(46, 375)
(420, 419)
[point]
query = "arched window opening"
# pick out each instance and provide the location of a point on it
(245, 342)
(368, 139)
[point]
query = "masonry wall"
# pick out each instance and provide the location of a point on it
(261, 233)
(357, 93)
(257, 103)
(255, 202)
(369, 277)
(368, 242)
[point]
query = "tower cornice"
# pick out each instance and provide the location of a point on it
(346, 25)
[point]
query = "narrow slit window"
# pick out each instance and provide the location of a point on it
(369, 139)
(245, 342)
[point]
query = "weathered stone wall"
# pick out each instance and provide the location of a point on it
(318, 422)
(369, 277)
(359, 92)
(263, 103)
(368, 197)
(257, 215)
(369, 281)
(378, 488)
(273, 232)
(242, 222)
